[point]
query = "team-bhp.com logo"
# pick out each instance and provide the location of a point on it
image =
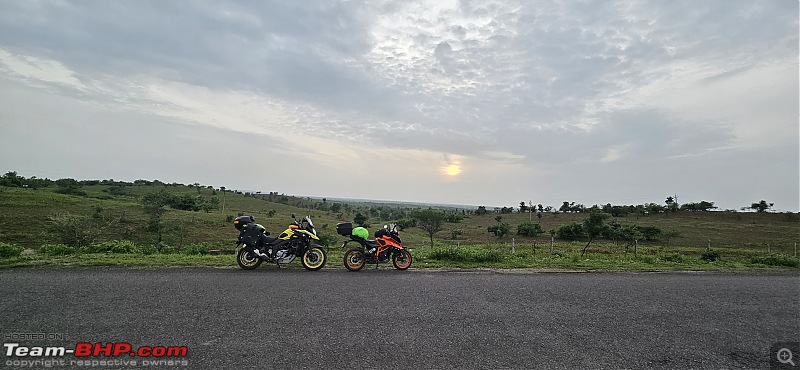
(87, 354)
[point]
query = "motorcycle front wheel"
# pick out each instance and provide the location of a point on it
(247, 261)
(401, 259)
(313, 258)
(354, 259)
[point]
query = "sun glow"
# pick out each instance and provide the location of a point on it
(452, 170)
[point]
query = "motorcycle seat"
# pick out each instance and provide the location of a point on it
(269, 239)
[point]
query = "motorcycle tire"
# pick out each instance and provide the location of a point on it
(313, 258)
(247, 261)
(401, 259)
(354, 259)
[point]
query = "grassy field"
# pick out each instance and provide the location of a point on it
(742, 240)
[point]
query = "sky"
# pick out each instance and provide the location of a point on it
(474, 102)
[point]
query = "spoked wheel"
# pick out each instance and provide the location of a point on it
(314, 258)
(401, 259)
(354, 259)
(246, 260)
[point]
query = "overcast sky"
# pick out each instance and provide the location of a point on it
(466, 102)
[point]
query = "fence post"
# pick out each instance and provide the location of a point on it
(551, 244)
(795, 249)
(513, 247)
(708, 249)
(635, 247)
(534, 246)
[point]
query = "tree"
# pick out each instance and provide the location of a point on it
(430, 221)
(523, 208)
(594, 226)
(481, 210)
(761, 206)
(360, 220)
(500, 230)
(69, 187)
(529, 229)
(702, 206)
(11, 179)
(153, 206)
(669, 234)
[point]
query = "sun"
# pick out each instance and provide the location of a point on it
(452, 170)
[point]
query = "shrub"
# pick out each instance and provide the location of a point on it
(327, 240)
(74, 230)
(147, 249)
(9, 250)
(499, 230)
(776, 260)
(572, 231)
(466, 254)
(676, 258)
(529, 229)
(648, 260)
(650, 232)
(710, 255)
(114, 246)
(406, 223)
(166, 249)
(58, 250)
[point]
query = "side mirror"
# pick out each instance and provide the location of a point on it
(294, 215)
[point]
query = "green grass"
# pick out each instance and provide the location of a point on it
(743, 240)
(493, 256)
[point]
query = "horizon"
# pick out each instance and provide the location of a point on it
(412, 202)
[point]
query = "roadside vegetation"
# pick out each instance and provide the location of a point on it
(152, 223)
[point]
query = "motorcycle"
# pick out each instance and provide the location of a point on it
(295, 241)
(386, 246)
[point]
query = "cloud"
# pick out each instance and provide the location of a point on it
(526, 88)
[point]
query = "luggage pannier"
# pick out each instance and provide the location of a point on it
(344, 228)
(240, 222)
(361, 232)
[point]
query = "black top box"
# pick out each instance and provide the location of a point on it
(344, 228)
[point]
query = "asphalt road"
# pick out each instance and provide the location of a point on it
(417, 319)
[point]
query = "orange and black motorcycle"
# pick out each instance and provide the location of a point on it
(385, 247)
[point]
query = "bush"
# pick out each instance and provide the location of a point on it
(327, 240)
(114, 246)
(74, 230)
(710, 255)
(650, 232)
(58, 250)
(776, 260)
(198, 248)
(676, 258)
(9, 250)
(529, 229)
(500, 229)
(572, 231)
(466, 254)
(407, 223)
(166, 249)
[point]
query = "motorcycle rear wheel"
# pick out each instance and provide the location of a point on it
(401, 259)
(354, 259)
(247, 261)
(313, 258)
